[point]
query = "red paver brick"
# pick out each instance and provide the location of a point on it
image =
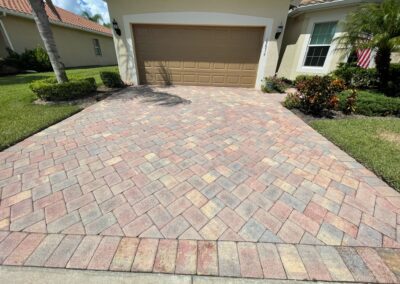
(292, 262)
(166, 256)
(145, 255)
(315, 212)
(207, 259)
(125, 254)
(10, 243)
(378, 267)
(55, 211)
(186, 258)
(313, 263)
(64, 251)
(104, 253)
(270, 261)
(250, 265)
(280, 210)
(83, 254)
(305, 222)
(230, 218)
(21, 209)
(24, 249)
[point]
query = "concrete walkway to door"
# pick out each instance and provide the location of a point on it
(196, 180)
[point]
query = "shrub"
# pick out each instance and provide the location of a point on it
(350, 103)
(49, 90)
(302, 78)
(292, 101)
(372, 104)
(274, 85)
(31, 59)
(111, 79)
(318, 94)
(357, 77)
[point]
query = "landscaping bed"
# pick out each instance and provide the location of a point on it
(347, 108)
(20, 117)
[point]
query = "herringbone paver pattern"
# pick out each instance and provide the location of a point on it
(197, 164)
(190, 180)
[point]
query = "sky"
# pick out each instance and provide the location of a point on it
(78, 6)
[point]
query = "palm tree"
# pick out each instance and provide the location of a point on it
(43, 24)
(97, 18)
(377, 27)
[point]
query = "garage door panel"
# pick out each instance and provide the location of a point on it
(187, 55)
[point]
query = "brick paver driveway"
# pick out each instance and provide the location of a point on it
(246, 187)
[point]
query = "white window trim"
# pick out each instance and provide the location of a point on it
(96, 41)
(303, 53)
(200, 19)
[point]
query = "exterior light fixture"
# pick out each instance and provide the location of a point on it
(279, 31)
(116, 27)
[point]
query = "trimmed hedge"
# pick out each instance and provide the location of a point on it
(357, 77)
(50, 90)
(111, 79)
(372, 104)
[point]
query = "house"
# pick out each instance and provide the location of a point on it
(226, 42)
(80, 42)
(308, 46)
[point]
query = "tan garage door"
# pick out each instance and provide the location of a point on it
(205, 56)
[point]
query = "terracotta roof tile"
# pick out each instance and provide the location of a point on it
(23, 6)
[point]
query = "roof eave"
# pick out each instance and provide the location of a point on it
(327, 5)
(57, 23)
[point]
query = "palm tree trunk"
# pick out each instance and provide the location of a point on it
(382, 60)
(43, 24)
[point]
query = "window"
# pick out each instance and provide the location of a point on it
(320, 43)
(97, 48)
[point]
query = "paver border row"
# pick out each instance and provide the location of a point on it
(205, 258)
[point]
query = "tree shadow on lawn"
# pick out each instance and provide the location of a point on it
(21, 79)
(150, 95)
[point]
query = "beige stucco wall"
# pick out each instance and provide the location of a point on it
(396, 57)
(124, 11)
(75, 46)
(296, 39)
(3, 46)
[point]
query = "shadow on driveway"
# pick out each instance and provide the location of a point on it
(150, 95)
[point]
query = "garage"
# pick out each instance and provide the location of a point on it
(198, 55)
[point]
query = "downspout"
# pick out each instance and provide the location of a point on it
(4, 31)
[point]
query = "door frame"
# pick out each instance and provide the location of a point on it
(196, 19)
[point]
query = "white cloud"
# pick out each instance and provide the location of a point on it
(78, 6)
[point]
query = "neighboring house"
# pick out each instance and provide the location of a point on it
(80, 42)
(226, 42)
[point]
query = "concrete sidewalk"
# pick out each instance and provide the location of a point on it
(27, 275)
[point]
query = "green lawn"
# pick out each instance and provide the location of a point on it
(19, 118)
(375, 142)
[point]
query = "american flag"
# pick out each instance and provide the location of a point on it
(364, 58)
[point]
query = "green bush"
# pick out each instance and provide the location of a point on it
(357, 77)
(274, 85)
(31, 59)
(292, 101)
(372, 104)
(318, 94)
(49, 90)
(301, 78)
(111, 79)
(350, 102)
